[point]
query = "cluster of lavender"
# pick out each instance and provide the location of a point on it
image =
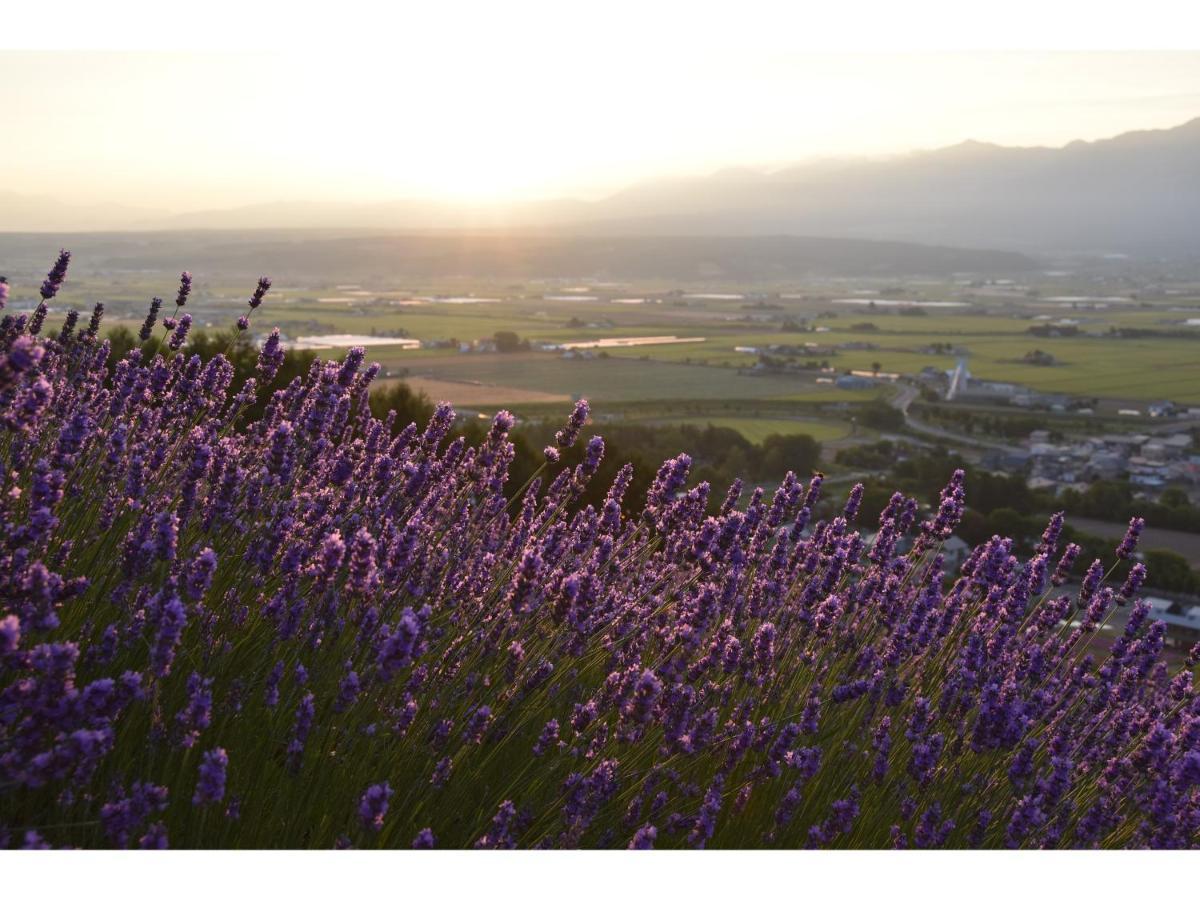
(323, 629)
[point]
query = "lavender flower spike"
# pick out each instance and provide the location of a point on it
(210, 788)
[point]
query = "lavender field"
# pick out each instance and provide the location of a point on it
(313, 628)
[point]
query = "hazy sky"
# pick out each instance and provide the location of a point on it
(497, 120)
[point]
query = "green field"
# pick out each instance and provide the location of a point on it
(756, 430)
(616, 380)
(992, 330)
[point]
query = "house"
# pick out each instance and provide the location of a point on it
(1163, 410)
(1182, 620)
(854, 382)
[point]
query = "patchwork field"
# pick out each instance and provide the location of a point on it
(616, 380)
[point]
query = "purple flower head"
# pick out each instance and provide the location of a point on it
(34, 841)
(373, 805)
(93, 328)
(1133, 583)
(68, 327)
(478, 724)
(10, 635)
(398, 645)
(185, 288)
(592, 457)
(569, 433)
(643, 838)
(172, 619)
(36, 321)
(151, 318)
(424, 840)
(853, 502)
(500, 836)
(210, 787)
(646, 693)
(1065, 564)
(56, 276)
(306, 712)
(128, 811)
(547, 739)
(200, 573)
(1051, 534)
(155, 837)
(260, 291)
(197, 713)
(270, 357)
(1129, 542)
(348, 689)
(180, 333)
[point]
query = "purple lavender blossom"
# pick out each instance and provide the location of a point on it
(185, 288)
(180, 332)
(373, 805)
(643, 838)
(175, 539)
(260, 291)
(210, 787)
(1129, 542)
(56, 276)
(569, 433)
(151, 318)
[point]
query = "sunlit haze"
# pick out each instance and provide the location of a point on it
(181, 131)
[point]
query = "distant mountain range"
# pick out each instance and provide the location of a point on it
(1138, 192)
(1135, 193)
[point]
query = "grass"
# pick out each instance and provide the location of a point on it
(756, 430)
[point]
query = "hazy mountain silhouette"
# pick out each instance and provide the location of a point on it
(1138, 192)
(25, 212)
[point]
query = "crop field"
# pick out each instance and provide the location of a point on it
(616, 380)
(757, 429)
(722, 328)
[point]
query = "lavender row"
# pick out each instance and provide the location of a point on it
(314, 627)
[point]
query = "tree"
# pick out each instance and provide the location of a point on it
(507, 341)
(410, 405)
(1174, 497)
(1170, 571)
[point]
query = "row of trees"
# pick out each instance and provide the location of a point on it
(1004, 504)
(1114, 501)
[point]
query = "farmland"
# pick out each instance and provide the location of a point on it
(1119, 336)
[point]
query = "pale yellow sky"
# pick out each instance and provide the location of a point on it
(186, 130)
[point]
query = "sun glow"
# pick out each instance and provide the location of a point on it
(484, 123)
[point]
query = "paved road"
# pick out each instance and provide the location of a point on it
(904, 398)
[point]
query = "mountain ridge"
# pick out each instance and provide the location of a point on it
(1137, 191)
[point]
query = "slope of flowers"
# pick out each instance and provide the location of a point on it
(320, 629)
